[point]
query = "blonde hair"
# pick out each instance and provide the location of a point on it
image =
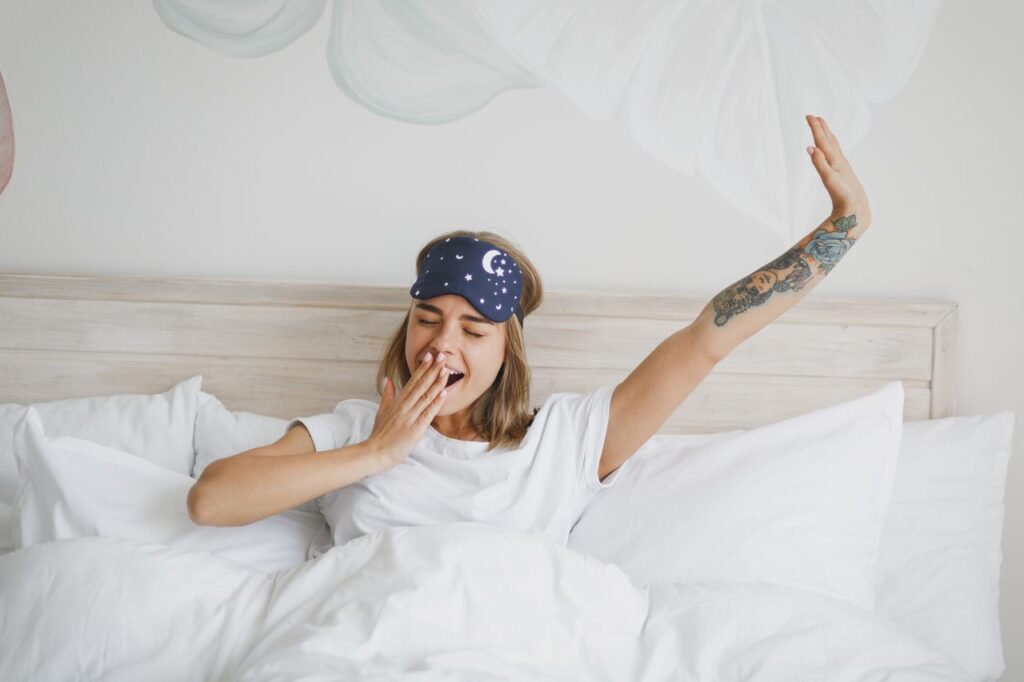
(502, 414)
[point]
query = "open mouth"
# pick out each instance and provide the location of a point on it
(453, 378)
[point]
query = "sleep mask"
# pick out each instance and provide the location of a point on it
(477, 270)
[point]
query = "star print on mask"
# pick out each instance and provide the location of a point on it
(453, 268)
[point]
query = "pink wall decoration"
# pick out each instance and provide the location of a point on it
(6, 137)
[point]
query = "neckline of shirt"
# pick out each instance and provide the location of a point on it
(462, 446)
(469, 448)
(445, 445)
(435, 440)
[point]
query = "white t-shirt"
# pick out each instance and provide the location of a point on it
(542, 486)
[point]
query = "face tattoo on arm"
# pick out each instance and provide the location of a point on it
(816, 253)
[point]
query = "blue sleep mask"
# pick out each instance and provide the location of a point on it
(477, 270)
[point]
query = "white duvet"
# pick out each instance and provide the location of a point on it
(463, 601)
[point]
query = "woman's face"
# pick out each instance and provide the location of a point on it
(471, 344)
(764, 280)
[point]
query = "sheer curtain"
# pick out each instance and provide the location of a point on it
(718, 87)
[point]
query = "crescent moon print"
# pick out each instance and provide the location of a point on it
(488, 257)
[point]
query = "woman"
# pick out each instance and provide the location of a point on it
(453, 438)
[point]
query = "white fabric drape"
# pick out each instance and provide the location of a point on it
(718, 87)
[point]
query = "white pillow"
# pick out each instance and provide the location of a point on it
(10, 413)
(221, 433)
(941, 550)
(157, 427)
(6, 525)
(69, 487)
(800, 503)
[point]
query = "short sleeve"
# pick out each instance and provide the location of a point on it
(587, 415)
(320, 430)
(350, 422)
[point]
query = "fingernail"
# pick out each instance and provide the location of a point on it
(810, 151)
(440, 357)
(426, 358)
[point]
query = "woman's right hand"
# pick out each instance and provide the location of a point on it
(402, 420)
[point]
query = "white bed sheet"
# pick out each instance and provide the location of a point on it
(463, 601)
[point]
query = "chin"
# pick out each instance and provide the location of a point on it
(454, 403)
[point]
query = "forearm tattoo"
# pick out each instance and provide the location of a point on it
(789, 272)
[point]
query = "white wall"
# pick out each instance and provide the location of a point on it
(141, 152)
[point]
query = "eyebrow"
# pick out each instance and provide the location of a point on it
(471, 318)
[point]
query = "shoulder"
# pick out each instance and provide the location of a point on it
(575, 424)
(580, 409)
(350, 422)
(355, 416)
(569, 401)
(356, 407)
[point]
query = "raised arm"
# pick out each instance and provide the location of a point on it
(652, 392)
(747, 305)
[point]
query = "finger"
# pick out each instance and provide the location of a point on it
(816, 131)
(428, 359)
(821, 140)
(831, 138)
(417, 378)
(837, 152)
(432, 391)
(820, 162)
(425, 382)
(435, 406)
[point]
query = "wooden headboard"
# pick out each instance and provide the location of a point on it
(291, 349)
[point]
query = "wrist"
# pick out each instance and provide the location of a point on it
(859, 215)
(373, 457)
(357, 461)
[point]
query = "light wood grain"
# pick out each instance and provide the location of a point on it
(292, 348)
(944, 365)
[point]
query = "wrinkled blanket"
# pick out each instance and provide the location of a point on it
(463, 601)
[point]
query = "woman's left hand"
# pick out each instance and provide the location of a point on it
(848, 196)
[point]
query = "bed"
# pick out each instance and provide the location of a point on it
(841, 407)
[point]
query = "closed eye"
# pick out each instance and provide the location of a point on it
(425, 322)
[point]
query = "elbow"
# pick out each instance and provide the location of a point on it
(705, 342)
(198, 507)
(715, 354)
(200, 498)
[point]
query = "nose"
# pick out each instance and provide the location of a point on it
(441, 342)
